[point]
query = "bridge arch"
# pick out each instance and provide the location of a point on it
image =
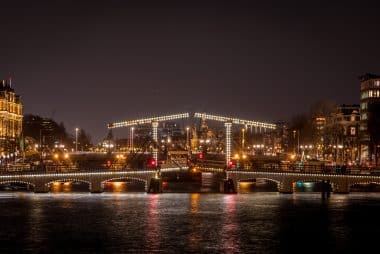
(69, 180)
(270, 183)
(259, 178)
(363, 182)
(17, 181)
(126, 178)
(251, 178)
(136, 179)
(255, 178)
(334, 185)
(49, 184)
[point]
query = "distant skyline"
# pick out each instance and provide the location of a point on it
(90, 63)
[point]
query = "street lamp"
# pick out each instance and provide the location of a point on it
(187, 138)
(76, 139)
(132, 129)
(242, 139)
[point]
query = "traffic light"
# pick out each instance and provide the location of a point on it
(152, 163)
(231, 164)
(200, 156)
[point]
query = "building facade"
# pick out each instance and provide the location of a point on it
(369, 96)
(281, 138)
(341, 142)
(319, 142)
(10, 120)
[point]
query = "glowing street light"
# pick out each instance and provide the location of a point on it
(187, 138)
(242, 139)
(132, 129)
(76, 139)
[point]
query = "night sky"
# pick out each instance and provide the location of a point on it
(90, 63)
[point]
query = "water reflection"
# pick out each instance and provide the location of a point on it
(35, 220)
(188, 223)
(153, 223)
(194, 202)
(230, 228)
(194, 238)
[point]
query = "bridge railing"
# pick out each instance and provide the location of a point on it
(313, 169)
(282, 167)
(211, 163)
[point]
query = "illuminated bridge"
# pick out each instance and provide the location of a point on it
(228, 121)
(96, 179)
(286, 181)
(41, 182)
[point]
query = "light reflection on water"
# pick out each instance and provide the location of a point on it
(229, 233)
(152, 229)
(183, 223)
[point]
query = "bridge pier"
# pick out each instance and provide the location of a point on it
(41, 188)
(229, 183)
(228, 186)
(285, 187)
(326, 188)
(154, 185)
(342, 188)
(96, 187)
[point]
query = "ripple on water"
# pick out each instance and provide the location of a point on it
(173, 223)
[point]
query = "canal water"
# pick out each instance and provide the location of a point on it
(265, 222)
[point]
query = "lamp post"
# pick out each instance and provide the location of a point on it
(76, 139)
(187, 138)
(242, 139)
(132, 129)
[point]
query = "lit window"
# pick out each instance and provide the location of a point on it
(370, 94)
(377, 83)
(353, 131)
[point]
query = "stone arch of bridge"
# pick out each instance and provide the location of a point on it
(125, 178)
(69, 180)
(259, 177)
(315, 179)
(363, 182)
(251, 178)
(17, 181)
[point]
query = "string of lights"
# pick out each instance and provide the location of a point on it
(148, 120)
(235, 120)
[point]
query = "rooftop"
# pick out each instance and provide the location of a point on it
(368, 76)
